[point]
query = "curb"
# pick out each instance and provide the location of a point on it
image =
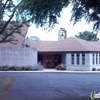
(53, 71)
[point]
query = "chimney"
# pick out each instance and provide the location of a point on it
(62, 34)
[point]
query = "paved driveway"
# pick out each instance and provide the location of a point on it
(52, 85)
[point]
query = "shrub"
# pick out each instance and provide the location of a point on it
(22, 68)
(39, 66)
(12, 68)
(15, 68)
(93, 69)
(18, 68)
(4, 68)
(28, 68)
(98, 69)
(58, 67)
(1, 68)
(61, 67)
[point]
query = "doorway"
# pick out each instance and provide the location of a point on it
(50, 60)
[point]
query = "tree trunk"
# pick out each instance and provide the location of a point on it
(0, 10)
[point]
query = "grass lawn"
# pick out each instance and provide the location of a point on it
(5, 85)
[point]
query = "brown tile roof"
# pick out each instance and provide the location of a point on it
(20, 38)
(68, 45)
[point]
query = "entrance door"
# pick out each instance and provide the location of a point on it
(49, 61)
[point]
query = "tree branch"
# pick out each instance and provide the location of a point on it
(6, 24)
(11, 33)
(3, 7)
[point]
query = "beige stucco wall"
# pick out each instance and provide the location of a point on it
(64, 58)
(74, 66)
(18, 56)
(97, 66)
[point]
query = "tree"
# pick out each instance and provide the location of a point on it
(89, 36)
(34, 38)
(42, 12)
(88, 9)
(13, 24)
(45, 13)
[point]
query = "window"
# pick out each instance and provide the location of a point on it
(57, 59)
(40, 58)
(93, 59)
(96, 58)
(83, 59)
(78, 59)
(72, 59)
(99, 58)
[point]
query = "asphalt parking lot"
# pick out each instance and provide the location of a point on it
(53, 85)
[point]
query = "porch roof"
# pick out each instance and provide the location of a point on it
(71, 44)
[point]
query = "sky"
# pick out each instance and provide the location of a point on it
(63, 23)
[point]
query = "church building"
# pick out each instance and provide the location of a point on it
(75, 53)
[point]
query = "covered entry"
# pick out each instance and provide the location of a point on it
(49, 60)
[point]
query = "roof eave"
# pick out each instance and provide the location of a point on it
(61, 52)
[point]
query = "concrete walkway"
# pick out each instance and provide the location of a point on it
(66, 71)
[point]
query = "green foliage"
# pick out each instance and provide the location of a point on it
(28, 68)
(61, 67)
(12, 25)
(34, 38)
(98, 69)
(7, 35)
(89, 36)
(42, 12)
(88, 9)
(4, 68)
(15, 68)
(93, 69)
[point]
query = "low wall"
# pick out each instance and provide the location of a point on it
(18, 56)
(95, 66)
(78, 68)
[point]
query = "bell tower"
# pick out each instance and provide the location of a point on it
(62, 34)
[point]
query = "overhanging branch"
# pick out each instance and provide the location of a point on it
(6, 24)
(11, 33)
